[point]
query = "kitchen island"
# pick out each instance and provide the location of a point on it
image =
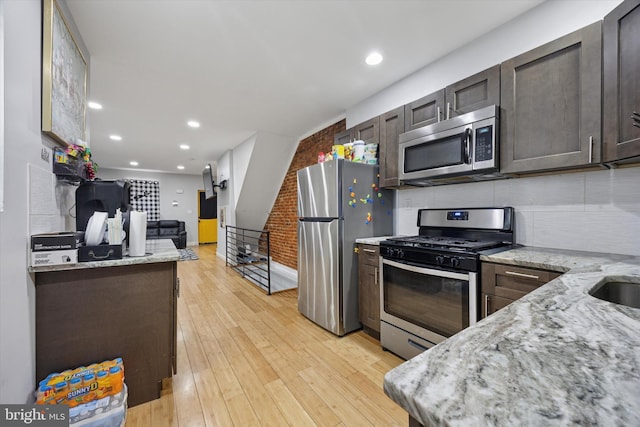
(557, 356)
(93, 311)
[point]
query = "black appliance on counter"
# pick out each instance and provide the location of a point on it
(430, 283)
(102, 196)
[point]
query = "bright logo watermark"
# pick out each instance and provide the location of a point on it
(34, 415)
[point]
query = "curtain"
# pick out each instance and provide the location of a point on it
(145, 197)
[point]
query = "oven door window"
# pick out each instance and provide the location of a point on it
(447, 151)
(439, 304)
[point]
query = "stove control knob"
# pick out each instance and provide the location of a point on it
(455, 262)
(440, 259)
(400, 253)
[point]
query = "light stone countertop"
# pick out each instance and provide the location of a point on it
(555, 357)
(161, 250)
(373, 240)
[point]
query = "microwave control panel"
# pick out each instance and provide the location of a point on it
(484, 143)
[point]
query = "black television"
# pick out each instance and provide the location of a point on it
(207, 178)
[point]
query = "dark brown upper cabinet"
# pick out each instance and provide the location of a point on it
(343, 137)
(475, 92)
(391, 126)
(551, 101)
(368, 131)
(470, 94)
(424, 111)
(621, 67)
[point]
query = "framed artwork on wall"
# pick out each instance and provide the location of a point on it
(64, 79)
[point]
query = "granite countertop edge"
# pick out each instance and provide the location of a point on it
(161, 250)
(557, 356)
(373, 240)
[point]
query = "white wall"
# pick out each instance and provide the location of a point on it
(226, 198)
(241, 159)
(262, 158)
(270, 159)
(179, 188)
(46, 212)
(540, 25)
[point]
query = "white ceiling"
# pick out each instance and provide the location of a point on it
(284, 67)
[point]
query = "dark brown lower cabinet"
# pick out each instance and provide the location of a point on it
(369, 289)
(502, 284)
(91, 315)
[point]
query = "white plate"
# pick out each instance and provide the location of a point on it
(96, 228)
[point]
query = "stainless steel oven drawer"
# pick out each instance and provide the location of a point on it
(401, 342)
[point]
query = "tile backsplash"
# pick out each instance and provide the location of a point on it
(590, 211)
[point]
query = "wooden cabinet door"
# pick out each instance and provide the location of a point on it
(391, 126)
(502, 284)
(369, 288)
(551, 104)
(621, 51)
(475, 92)
(491, 303)
(343, 137)
(368, 131)
(424, 111)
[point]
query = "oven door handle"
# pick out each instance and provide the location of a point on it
(423, 270)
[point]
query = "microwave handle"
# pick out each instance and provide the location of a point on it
(468, 133)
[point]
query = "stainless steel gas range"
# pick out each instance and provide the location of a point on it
(429, 283)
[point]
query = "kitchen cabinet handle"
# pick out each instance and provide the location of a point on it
(375, 276)
(416, 345)
(528, 276)
(438, 113)
(373, 251)
(486, 305)
(448, 110)
(467, 145)
(590, 149)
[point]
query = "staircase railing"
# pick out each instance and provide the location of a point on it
(248, 253)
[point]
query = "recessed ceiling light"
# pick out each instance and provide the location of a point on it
(180, 167)
(374, 58)
(115, 137)
(184, 147)
(94, 105)
(193, 124)
(134, 163)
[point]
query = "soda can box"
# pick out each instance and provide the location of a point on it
(55, 241)
(43, 258)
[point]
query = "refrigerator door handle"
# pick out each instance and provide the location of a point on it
(318, 219)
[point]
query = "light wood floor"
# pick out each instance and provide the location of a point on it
(245, 359)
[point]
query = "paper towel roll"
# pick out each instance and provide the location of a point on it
(137, 233)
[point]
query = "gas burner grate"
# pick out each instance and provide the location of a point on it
(446, 242)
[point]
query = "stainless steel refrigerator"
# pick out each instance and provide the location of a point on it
(338, 202)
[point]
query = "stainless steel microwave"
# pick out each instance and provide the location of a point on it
(460, 146)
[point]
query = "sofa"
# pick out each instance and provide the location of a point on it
(168, 229)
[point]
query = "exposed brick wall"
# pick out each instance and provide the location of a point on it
(282, 222)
